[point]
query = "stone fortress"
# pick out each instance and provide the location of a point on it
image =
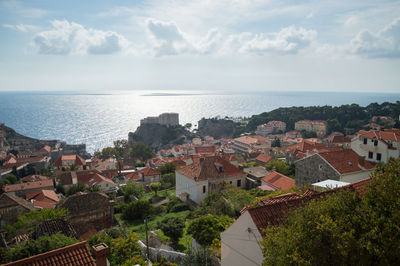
(167, 119)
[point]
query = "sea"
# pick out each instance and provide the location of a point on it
(99, 118)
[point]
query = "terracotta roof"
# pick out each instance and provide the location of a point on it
(66, 178)
(46, 148)
(205, 149)
(149, 171)
(28, 185)
(339, 139)
(43, 198)
(76, 254)
(91, 178)
(278, 180)
(8, 200)
(78, 160)
(31, 178)
(263, 158)
(273, 211)
(206, 168)
(247, 140)
(346, 161)
(391, 135)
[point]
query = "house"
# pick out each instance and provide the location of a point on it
(377, 145)
(247, 144)
(204, 150)
(43, 199)
(337, 140)
(89, 211)
(100, 165)
(305, 148)
(91, 178)
(11, 207)
(66, 161)
(344, 165)
(318, 126)
(254, 175)
(75, 254)
(23, 189)
(199, 179)
(146, 176)
(240, 242)
(277, 181)
(270, 128)
(263, 158)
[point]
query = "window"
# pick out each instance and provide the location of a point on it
(230, 182)
(370, 155)
(365, 141)
(378, 156)
(375, 142)
(320, 167)
(204, 189)
(239, 183)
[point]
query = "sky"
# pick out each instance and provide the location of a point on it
(238, 45)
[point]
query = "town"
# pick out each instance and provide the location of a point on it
(192, 198)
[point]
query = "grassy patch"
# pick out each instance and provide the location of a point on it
(138, 227)
(165, 193)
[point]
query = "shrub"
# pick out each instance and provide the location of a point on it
(173, 228)
(136, 209)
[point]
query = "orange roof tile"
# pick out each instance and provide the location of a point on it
(278, 180)
(78, 160)
(73, 255)
(263, 158)
(206, 168)
(28, 185)
(346, 161)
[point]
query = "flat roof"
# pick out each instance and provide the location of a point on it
(329, 183)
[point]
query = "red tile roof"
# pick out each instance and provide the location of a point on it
(391, 135)
(273, 211)
(73, 255)
(78, 160)
(91, 178)
(149, 171)
(8, 200)
(43, 198)
(339, 139)
(28, 185)
(346, 161)
(263, 158)
(212, 167)
(279, 181)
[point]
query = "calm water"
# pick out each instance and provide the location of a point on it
(98, 119)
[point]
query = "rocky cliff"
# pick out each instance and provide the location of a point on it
(159, 136)
(217, 128)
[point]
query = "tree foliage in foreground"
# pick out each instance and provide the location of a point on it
(343, 229)
(34, 247)
(208, 227)
(173, 228)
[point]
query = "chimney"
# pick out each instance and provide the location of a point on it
(101, 252)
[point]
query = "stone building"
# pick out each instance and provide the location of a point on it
(11, 207)
(167, 119)
(318, 126)
(271, 127)
(89, 212)
(344, 165)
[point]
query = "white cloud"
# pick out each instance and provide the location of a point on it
(287, 41)
(21, 27)
(21, 10)
(384, 43)
(73, 38)
(168, 39)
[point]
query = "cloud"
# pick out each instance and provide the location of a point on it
(21, 27)
(287, 41)
(21, 10)
(73, 38)
(383, 44)
(168, 39)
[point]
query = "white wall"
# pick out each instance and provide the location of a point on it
(239, 246)
(193, 188)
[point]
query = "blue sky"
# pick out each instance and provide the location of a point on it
(200, 45)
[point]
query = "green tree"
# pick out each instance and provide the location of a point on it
(79, 187)
(167, 168)
(141, 151)
(38, 246)
(208, 227)
(276, 143)
(27, 222)
(132, 188)
(281, 167)
(343, 228)
(173, 228)
(167, 180)
(136, 209)
(123, 249)
(155, 187)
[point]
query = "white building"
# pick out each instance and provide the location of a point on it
(377, 146)
(199, 179)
